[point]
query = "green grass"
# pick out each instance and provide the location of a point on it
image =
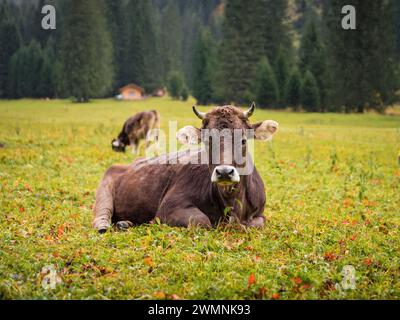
(332, 185)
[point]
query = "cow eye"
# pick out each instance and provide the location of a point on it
(244, 141)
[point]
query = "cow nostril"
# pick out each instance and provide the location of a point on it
(225, 172)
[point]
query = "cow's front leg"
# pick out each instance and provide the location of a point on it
(135, 148)
(104, 206)
(186, 217)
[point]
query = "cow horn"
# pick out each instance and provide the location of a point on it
(250, 112)
(200, 115)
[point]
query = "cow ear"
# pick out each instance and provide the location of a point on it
(189, 135)
(265, 130)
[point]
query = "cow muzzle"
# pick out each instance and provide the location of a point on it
(225, 175)
(117, 146)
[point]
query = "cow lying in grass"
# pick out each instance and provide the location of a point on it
(184, 193)
(136, 129)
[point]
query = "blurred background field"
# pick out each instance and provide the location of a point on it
(332, 185)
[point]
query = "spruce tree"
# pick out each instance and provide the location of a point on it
(185, 93)
(36, 73)
(362, 59)
(175, 84)
(273, 22)
(9, 43)
(310, 93)
(240, 51)
(18, 63)
(397, 26)
(293, 90)
(26, 71)
(249, 33)
(194, 15)
(143, 54)
(25, 17)
(191, 25)
(397, 61)
(266, 87)
(48, 73)
(86, 50)
(118, 27)
(281, 68)
(313, 57)
(171, 37)
(203, 68)
(33, 72)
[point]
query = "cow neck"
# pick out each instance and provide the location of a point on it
(236, 198)
(231, 199)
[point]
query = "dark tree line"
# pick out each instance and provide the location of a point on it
(99, 46)
(278, 53)
(364, 62)
(326, 69)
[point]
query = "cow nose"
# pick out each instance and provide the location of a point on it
(225, 174)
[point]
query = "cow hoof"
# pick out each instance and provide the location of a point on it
(102, 230)
(123, 225)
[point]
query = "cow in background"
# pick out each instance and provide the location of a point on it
(136, 129)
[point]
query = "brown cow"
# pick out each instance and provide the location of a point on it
(136, 129)
(184, 193)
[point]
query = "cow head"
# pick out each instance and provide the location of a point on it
(117, 145)
(225, 132)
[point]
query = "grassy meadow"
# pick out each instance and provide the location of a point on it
(333, 199)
